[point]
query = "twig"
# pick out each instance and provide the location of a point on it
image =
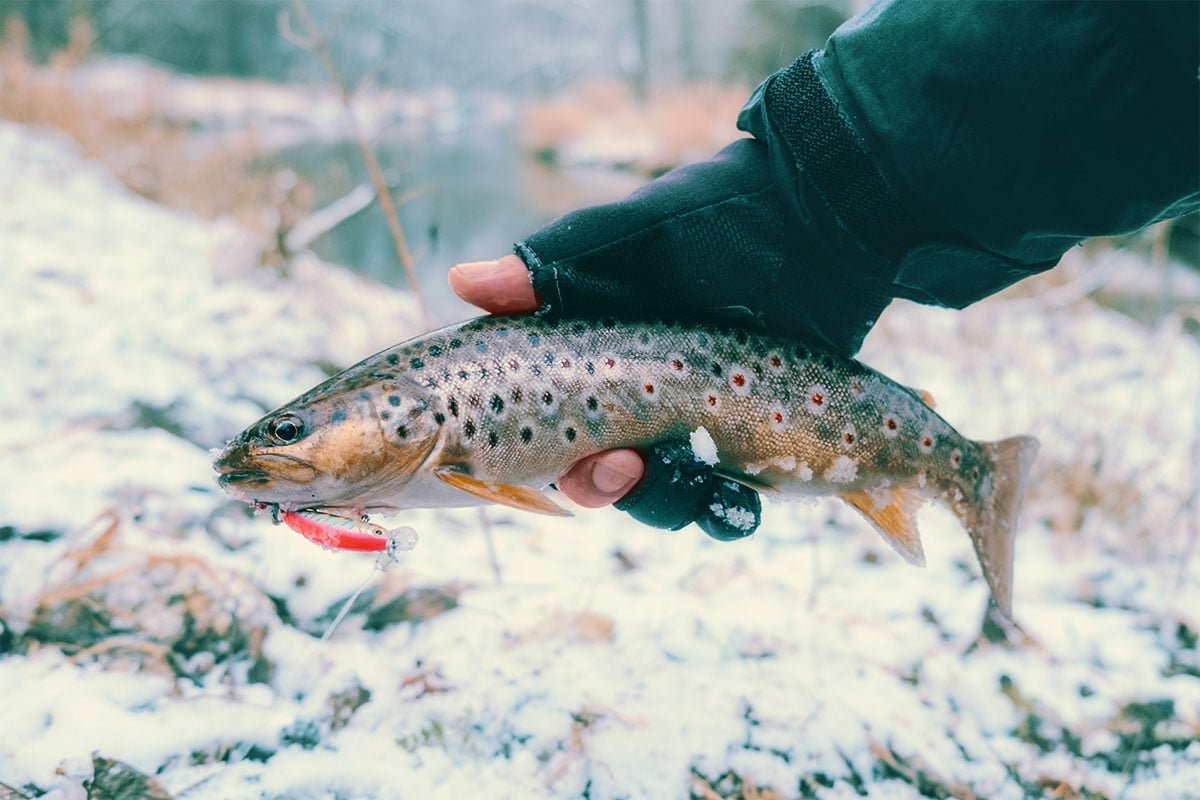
(313, 42)
(486, 525)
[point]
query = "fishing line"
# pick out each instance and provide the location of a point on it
(400, 540)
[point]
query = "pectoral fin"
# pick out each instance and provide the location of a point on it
(519, 497)
(893, 513)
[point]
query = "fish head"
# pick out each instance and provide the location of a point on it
(348, 443)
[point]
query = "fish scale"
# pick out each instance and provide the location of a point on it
(494, 409)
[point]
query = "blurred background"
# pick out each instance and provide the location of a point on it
(488, 119)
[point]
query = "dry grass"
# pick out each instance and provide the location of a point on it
(674, 126)
(155, 156)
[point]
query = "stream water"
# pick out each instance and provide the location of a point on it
(464, 195)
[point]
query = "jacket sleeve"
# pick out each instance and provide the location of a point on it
(933, 151)
(1007, 132)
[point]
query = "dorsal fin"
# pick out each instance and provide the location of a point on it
(893, 513)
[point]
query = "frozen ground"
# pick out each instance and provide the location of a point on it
(154, 636)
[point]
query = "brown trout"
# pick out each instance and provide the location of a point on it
(494, 409)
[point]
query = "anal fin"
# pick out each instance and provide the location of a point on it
(893, 513)
(505, 494)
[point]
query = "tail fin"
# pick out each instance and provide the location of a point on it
(994, 528)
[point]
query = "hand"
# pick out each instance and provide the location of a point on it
(503, 287)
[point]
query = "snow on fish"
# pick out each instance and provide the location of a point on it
(494, 409)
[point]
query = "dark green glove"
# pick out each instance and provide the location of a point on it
(679, 488)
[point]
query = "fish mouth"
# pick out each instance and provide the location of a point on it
(243, 477)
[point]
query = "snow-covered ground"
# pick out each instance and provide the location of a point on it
(146, 620)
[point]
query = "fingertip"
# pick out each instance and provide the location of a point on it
(502, 286)
(602, 479)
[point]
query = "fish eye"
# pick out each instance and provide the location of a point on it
(285, 429)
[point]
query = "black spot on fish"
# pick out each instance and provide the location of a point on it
(644, 338)
(469, 428)
(385, 414)
(474, 401)
(516, 395)
(439, 417)
(493, 438)
(416, 363)
(340, 414)
(497, 403)
(534, 339)
(435, 350)
(592, 403)
(502, 333)
(590, 368)
(455, 344)
(716, 369)
(548, 358)
(393, 400)
(481, 346)
(463, 374)
(452, 404)
(364, 395)
(393, 359)
(526, 435)
(570, 434)
(402, 431)
(547, 398)
(483, 372)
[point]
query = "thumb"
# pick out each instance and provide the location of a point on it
(499, 287)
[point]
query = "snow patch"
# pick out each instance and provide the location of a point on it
(703, 446)
(843, 470)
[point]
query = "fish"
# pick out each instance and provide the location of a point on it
(494, 409)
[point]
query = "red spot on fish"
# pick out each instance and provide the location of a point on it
(816, 398)
(927, 441)
(777, 416)
(711, 400)
(565, 363)
(514, 365)
(610, 362)
(776, 361)
(677, 365)
(891, 424)
(649, 388)
(738, 379)
(848, 437)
